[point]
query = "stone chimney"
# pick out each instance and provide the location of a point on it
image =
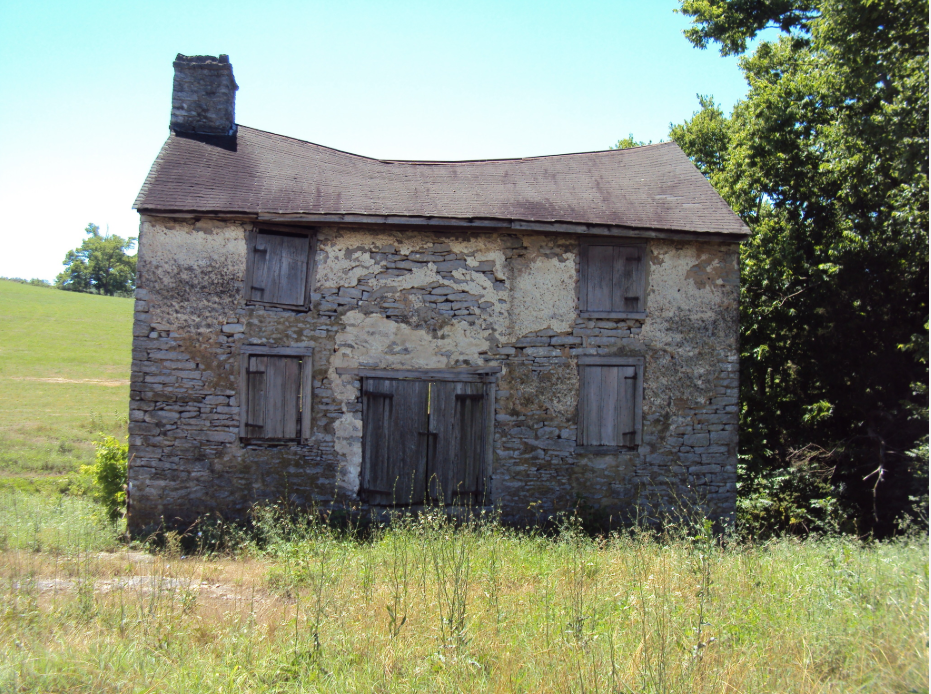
(204, 96)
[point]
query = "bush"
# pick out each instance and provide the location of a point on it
(108, 474)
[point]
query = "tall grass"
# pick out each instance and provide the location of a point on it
(425, 603)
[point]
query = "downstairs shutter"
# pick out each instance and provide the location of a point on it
(608, 405)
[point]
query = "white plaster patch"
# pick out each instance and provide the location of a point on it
(670, 288)
(348, 444)
(542, 296)
(377, 342)
(181, 244)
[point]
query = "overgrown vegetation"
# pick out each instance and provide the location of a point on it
(429, 604)
(108, 475)
(826, 160)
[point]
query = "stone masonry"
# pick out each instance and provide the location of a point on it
(203, 100)
(415, 299)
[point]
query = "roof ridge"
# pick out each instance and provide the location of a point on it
(449, 162)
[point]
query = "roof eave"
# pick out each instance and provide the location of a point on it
(477, 224)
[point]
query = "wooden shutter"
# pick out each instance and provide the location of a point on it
(455, 463)
(255, 397)
(612, 278)
(279, 268)
(608, 404)
(282, 398)
(599, 277)
(394, 440)
(257, 292)
(273, 397)
(292, 284)
(628, 279)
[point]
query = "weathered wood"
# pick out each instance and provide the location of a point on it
(467, 374)
(471, 416)
(255, 396)
(616, 314)
(600, 278)
(394, 441)
(608, 430)
(259, 269)
(277, 351)
(455, 460)
(307, 396)
(293, 280)
(631, 286)
(481, 224)
(626, 423)
(611, 361)
(279, 267)
(610, 399)
(612, 278)
(589, 425)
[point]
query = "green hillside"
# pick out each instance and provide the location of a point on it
(64, 376)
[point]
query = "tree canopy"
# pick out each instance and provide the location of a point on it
(826, 160)
(100, 265)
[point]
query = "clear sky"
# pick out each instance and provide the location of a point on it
(85, 90)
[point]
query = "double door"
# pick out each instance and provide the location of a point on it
(424, 441)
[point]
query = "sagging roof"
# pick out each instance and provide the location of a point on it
(260, 173)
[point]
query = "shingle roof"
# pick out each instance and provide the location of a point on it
(652, 187)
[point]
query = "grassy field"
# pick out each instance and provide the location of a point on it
(420, 606)
(64, 377)
(423, 606)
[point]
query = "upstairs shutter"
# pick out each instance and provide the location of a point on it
(279, 268)
(257, 292)
(600, 277)
(455, 465)
(612, 278)
(608, 405)
(628, 278)
(394, 440)
(293, 281)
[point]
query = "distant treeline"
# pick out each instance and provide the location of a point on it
(35, 281)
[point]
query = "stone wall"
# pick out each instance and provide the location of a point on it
(415, 299)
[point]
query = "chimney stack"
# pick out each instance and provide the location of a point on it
(204, 96)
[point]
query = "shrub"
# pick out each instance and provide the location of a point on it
(108, 474)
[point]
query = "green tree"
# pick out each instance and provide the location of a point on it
(826, 160)
(100, 265)
(630, 141)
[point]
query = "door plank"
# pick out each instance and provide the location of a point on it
(293, 283)
(394, 449)
(272, 278)
(608, 412)
(255, 389)
(627, 387)
(600, 278)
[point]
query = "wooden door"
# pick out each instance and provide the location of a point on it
(394, 441)
(423, 441)
(455, 462)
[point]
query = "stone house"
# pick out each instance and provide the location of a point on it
(334, 329)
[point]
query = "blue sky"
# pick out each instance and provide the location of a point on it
(86, 90)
